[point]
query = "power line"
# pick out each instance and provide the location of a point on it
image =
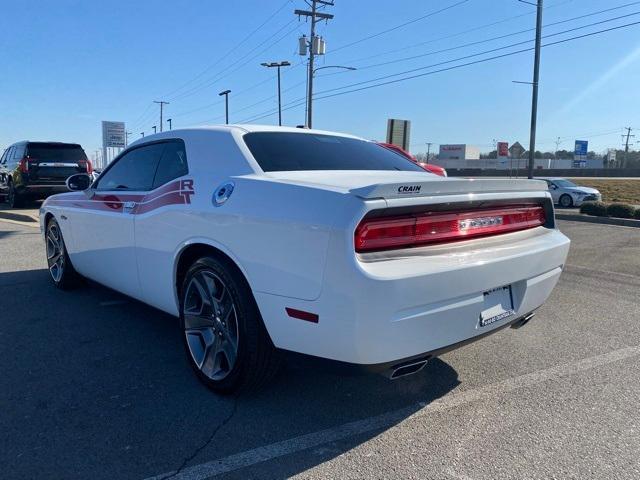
(229, 52)
(504, 47)
(297, 103)
(247, 107)
(500, 37)
(458, 34)
(374, 35)
(223, 73)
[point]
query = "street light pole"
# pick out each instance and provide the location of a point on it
(169, 120)
(226, 104)
(154, 129)
(278, 65)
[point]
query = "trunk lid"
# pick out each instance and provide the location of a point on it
(369, 184)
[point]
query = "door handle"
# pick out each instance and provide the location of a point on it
(128, 206)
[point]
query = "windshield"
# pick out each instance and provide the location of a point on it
(564, 183)
(288, 151)
(59, 152)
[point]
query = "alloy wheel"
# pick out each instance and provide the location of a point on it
(55, 252)
(211, 325)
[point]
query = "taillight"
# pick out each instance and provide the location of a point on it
(86, 164)
(23, 166)
(384, 233)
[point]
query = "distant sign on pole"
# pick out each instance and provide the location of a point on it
(503, 150)
(113, 135)
(580, 153)
(398, 132)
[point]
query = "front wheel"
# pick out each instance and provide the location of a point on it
(62, 272)
(566, 201)
(225, 339)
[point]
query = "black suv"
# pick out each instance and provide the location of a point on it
(38, 169)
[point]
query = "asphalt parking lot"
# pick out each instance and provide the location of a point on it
(95, 385)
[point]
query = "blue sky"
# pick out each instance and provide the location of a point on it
(67, 65)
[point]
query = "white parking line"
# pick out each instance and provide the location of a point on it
(390, 419)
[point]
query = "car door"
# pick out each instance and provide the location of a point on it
(102, 220)
(161, 224)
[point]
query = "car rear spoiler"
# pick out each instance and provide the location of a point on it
(451, 186)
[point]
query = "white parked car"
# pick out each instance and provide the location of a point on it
(264, 239)
(567, 194)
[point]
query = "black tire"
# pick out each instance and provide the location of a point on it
(565, 201)
(61, 271)
(14, 199)
(256, 360)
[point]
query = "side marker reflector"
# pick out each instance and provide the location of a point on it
(302, 315)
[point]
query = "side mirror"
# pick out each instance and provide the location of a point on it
(79, 181)
(552, 187)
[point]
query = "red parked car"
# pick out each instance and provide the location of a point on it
(429, 167)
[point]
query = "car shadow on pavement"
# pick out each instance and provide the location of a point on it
(93, 378)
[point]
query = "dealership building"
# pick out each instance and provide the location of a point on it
(459, 152)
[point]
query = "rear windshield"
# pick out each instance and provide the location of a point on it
(60, 152)
(286, 151)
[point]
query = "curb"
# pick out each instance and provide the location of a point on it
(578, 217)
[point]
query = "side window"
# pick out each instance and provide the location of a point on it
(18, 152)
(9, 158)
(173, 163)
(4, 157)
(134, 170)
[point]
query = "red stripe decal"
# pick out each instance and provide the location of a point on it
(174, 193)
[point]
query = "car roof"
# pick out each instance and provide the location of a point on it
(238, 128)
(549, 178)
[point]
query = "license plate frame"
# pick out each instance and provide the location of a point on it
(497, 305)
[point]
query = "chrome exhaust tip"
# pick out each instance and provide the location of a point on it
(523, 321)
(407, 369)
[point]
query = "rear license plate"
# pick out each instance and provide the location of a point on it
(498, 304)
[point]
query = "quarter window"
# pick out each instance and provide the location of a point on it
(173, 163)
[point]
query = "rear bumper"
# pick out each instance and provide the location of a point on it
(42, 189)
(380, 311)
(390, 368)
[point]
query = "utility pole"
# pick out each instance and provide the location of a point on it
(428, 150)
(316, 47)
(278, 65)
(162, 104)
(226, 104)
(536, 78)
(169, 120)
(626, 146)
(558, 142)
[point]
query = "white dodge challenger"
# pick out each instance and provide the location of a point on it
(270, 239)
